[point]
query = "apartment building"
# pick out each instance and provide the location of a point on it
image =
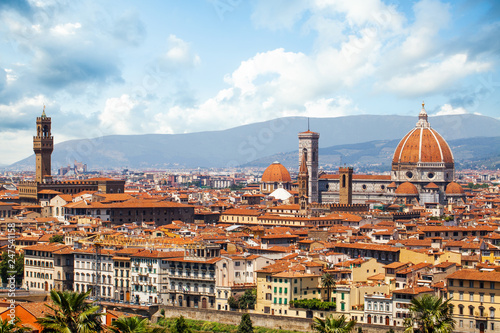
(235, 274)
(123, 274)
(85, 272)
(146, 268)
(475, 295)
(282, 282)
(189, 280)
(39, 266)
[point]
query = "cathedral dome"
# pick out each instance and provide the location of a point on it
(407, 188)
(422, 145)
(454, 188)
(276, 173)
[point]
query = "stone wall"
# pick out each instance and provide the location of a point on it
(273, 322)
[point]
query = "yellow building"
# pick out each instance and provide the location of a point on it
(282, 282)
(431, 257)
(476, 298)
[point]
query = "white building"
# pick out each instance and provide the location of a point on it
(85, 272)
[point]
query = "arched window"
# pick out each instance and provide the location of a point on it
(343, 180)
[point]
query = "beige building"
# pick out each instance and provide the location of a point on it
(476, 298)
(39, 265)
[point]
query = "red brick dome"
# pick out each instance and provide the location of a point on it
(422, 144)
(276, 173)
(407, 188)
(454, 188)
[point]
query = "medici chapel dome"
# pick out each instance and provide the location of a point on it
(422, 145)
(276, 173)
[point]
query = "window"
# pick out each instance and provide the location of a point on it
(492, 285)
(471, 310)
(461, 323)
(286, 290)
(461, 283)
(492, 313)
(451, 282)
(471, 284)
(481, 297)
(471, 297)
(492, 298)
(461, 309)
(461, 296)
(471, 324)
(481, 285)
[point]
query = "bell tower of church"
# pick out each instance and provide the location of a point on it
(345, 188)
(308, 151)
(43, 145)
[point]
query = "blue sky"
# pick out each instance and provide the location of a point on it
(174, 66)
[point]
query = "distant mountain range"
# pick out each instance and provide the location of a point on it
(358, 139)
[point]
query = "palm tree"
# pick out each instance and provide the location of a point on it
(429, 313)
(69, 313)
(6, 326)
(134, 325)
(328, 282)
(334, 325)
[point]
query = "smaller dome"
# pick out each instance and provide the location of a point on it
(392, 185)
(432, 186)
(276, 173)
(407, 188)
(454, 188)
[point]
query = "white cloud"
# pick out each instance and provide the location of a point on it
(180, 53)
(66, 29)
(430, 78)
(116, 118)
(447, 110)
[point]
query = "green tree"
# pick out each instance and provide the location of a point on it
(57, 238)
(328, 282)
(429, 313)
(69, 313)
(233, 303)
(6, 326)
(5, 267)
(134, 324)
(333, 324)
(180, 326)
(245, 325)
(248, 299)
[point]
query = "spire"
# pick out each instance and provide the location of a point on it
(422, 118)
(308, 124)
(303, 166)
(43, 113)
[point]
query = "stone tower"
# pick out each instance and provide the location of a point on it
(303, 177)
(43, 145)
(308, 148)
(345, 185)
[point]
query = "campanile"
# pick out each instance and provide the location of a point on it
(43, 145)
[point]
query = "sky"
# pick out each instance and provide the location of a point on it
(174, 66)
